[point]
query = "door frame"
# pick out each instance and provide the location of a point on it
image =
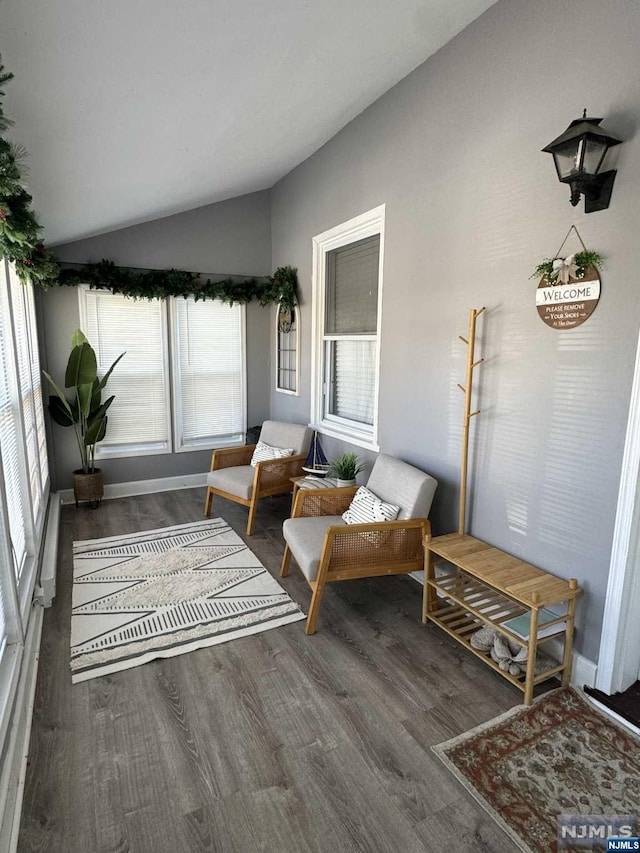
(619, 656)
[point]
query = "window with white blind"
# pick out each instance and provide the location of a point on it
(10, 441)
(200, 391)
(208, 373)
(30, 384)
(24, 479)
(347, 294)
(22, 436)
(139, 422)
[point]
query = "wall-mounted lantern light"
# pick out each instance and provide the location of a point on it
(578, 154)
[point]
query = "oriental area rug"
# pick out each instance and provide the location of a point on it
(541, 770)
(165, 592)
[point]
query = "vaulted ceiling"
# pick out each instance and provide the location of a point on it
(135, 109)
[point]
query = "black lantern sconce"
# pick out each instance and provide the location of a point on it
(578, 154)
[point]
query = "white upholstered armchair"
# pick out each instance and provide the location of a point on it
(235, 477)
(327, 548)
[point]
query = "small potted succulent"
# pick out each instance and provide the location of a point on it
(345, 468)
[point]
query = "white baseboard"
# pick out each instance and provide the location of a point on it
(583, 670)
(144, 487)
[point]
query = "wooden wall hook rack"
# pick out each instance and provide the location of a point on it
(467, 388)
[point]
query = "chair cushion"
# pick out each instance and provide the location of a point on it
(281, 434)
(399, 483)
(366, 508)
(266, 451)
(237, 480)
(305, 537)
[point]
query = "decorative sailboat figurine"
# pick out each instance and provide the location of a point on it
(316, 462)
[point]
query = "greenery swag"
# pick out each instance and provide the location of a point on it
(20, 243)
(582, 260)
(280, 288)
(19, 228)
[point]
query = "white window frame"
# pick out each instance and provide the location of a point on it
(365, 225)
(171, 369)
(154, 448)
(296, 392)
(17, 592)
(207, 443)
(33, 525)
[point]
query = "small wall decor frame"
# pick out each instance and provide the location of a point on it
(569, 288)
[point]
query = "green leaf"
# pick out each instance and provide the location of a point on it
(105, 378)
(96, 432)
(101, 411)
(66, 404)
(59, 412)
(82, 367)
(78, 338)
(85, 393)
(96, 396)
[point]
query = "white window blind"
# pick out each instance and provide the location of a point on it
(4, 588)
(209, 373)
(36, 385)
(351, 367)
(139, 419)
(351, 324)
(352, 288)
(10, 441)
(28, 366)
(23, 479)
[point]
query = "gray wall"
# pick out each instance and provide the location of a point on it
(471, 207)
(230, 238)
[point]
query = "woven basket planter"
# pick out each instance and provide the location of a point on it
(88, 487)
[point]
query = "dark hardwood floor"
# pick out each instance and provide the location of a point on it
(276, 742)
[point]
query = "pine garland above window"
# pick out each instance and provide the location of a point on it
(280, 288)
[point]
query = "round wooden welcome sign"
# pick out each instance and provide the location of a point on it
(563, 306)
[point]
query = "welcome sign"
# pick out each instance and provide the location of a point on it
(564, 306)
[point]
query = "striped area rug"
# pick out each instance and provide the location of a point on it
(161, 593)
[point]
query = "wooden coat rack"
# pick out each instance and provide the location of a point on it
(468, 414)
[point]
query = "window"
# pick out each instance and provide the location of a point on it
(24, 478)
(287, 350)
(347, 294)
(208, 370)
(30, 389)
(24, 468)
(140, 422)
(200, 391)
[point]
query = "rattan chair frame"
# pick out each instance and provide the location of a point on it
(356, 550)
(271, 477)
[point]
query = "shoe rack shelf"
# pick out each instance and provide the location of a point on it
(483, 585)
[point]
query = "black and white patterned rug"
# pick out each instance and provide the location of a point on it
(161, 593)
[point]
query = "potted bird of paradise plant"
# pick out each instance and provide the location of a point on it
(85, 412)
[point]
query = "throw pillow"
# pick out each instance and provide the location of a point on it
(367, 507)
(265, 451)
